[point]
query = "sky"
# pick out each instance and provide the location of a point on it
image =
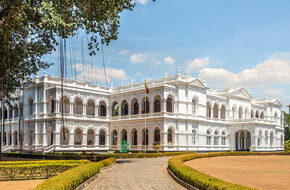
(242, 43)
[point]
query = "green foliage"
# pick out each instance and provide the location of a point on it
(72, 178)
(201, 180)
(287, 126)
(30, 29)
(11, 170)
(287, 145)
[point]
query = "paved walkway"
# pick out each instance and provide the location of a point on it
(143, 173)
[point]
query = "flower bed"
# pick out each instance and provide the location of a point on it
(21, 170)
(204, 181)
(72, 178)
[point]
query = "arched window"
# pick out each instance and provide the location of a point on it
(10, 112)
(223, 112)
(208, 137)
(215, 111)
(124, 110)
(124, 135)
(114, 137)
(5, 138)
(170, 136)
(10, 139)
(240, 113)
(15, 110)
(157, 105)
(135, 107)
(262, 116)
(103, 109)
(51, 105)
(78, 106)
(115, 109)
(223, 138)
(257, 114)
(5, 113)
(169, 105)
(91, 137)
(21, 109)
(102, 137)
(15, 138)
(64, 105)
(216, 138)
(246, 113)
(78, 136)
(30, 106)
(51, 137)
(134, 135)
(145, 109)
(193, 136)
(157, 136)
(145, 138)
(208, 109)
(276, 116)
(91, 107)
(194, 106)
(64, 136)
(252, 113)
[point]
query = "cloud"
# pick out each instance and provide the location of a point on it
(124, 52)
(138, 58)
(273, 71)
(88, 72)
(169, 60)
(197, 63)
(143, 2)
(274, 91)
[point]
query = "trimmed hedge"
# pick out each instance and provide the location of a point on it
(203, 181)
(72, 178)
(91, 157)
(35, 169)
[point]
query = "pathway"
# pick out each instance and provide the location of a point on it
(143, 173)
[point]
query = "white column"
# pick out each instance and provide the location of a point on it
(36, 134)
(36, 101)
(97, 137)
(84, 109)
(71, 138)
(85, 137)
(71, 108)
(97, 110)
(44, 101)
(44, 133)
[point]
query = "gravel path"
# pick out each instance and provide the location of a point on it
(144, 173)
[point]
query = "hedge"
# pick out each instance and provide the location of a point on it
(201, 180)
(72, 178)
(35, 169)
(287, 145)
(89, 156)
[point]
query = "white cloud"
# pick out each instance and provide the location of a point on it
(274, 91)
(197, 63)
(88, 72)
(143, 2)
(169, 60)
(138, 58)
(124, 52)
(273, 71)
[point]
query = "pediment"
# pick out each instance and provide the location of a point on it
(197, 82)
(241, 92)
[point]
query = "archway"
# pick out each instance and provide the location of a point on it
(124, 135)
(90, 109)
(91, 137)
(145, 137)
(114, 137)
(157, 136)
(115, 109)
(242, 140)
(124, 108)
(135, 106)
(78, 136)
(64, 136)
(134, 135)
(157, 104)
(102, 137)
(15, 138)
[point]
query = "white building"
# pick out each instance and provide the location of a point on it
(182, 114)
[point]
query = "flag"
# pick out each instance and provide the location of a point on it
(146, 87)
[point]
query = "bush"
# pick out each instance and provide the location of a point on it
(35, 169)
(287, 145)
(204, 181)
(72, 178)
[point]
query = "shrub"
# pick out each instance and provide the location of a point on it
(35, 169)
(204, 181)
(287, 145)
(72, 178)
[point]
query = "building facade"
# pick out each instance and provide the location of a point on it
(181, 114)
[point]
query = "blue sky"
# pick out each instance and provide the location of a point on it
(237, 43)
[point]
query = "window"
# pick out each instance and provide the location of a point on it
(102, 137)
(215, 111)
(64, 105)
(240, 113)
(208, 109)
(103, 109)
(216, 138)
(223, 138)
(157, 105)
(208, 138)
(157, 136)
(78, 106)
(145, 105)
(90, 107)
(124, 110)
(223, 112)
(169, 105)
(115, 109)
(194, 106)
(170, 137)
(30, 106)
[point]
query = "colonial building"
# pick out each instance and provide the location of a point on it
(181, 114)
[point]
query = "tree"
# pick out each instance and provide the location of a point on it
(30, 29)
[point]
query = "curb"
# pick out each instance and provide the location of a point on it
(184, 184)
(92, 179)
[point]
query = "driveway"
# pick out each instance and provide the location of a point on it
(143, 173)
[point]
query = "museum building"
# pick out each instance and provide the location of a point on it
(180, 113)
